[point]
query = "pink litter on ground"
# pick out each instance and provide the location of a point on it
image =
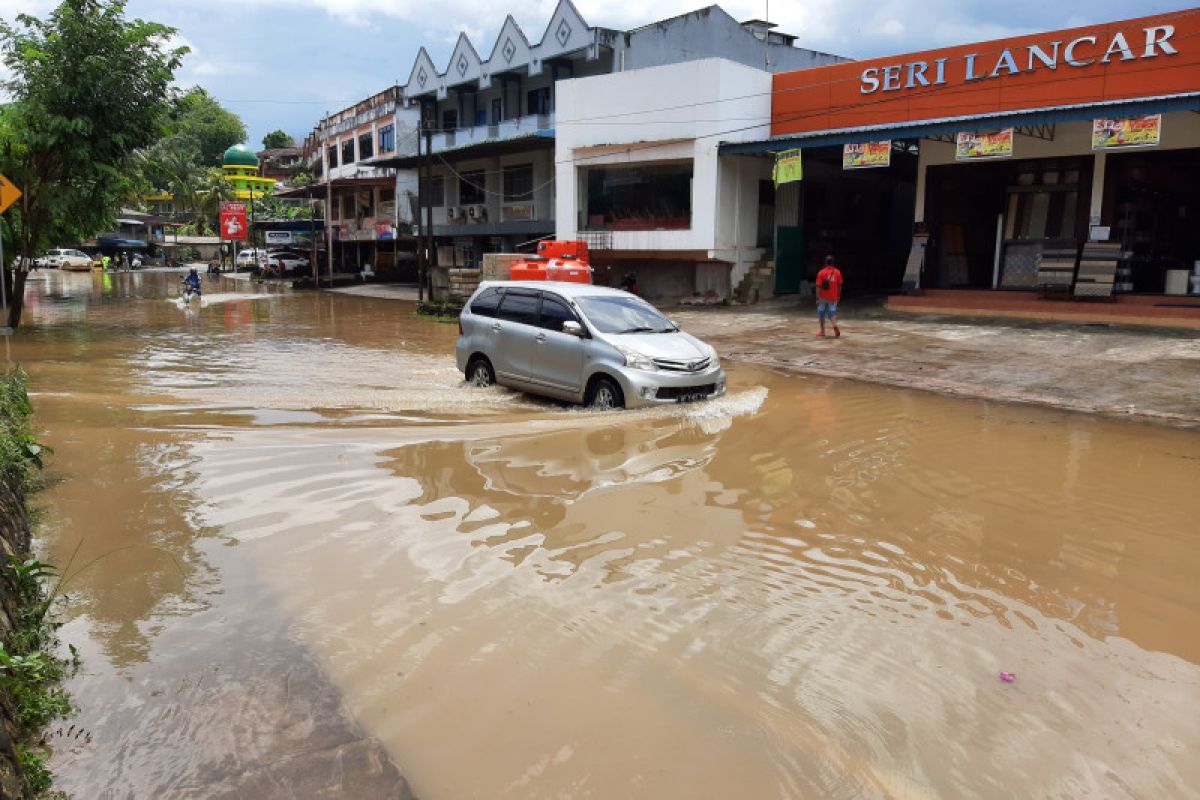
(1008, 677)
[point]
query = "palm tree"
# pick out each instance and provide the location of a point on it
(212, 190)
(172, 165)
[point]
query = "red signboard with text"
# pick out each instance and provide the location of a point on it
(1156, 56)
(233, 221)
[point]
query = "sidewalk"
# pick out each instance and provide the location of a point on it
(383, 291)
(1151, 374)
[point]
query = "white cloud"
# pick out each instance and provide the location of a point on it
(10, 8)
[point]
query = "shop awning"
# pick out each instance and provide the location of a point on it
(301, 225)
(318, 190)
(128, 244)
(927, 129)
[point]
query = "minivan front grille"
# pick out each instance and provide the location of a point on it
(676, 365)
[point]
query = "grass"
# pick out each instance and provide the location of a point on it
(444, 312)
(30, 669)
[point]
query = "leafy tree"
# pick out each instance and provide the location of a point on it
(277, 139)
(196, 115)
(89, 88)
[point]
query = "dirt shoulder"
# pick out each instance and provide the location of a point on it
(1152, 374)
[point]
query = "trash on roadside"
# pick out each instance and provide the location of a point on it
(1008, 677)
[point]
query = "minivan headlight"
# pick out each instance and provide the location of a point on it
(713, 354)
(634, 359)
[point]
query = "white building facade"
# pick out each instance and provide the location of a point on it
(639, 176)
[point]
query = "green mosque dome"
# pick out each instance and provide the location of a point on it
(239, 156)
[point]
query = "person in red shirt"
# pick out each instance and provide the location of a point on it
(829, 292)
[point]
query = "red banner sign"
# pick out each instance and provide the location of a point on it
(233, 221)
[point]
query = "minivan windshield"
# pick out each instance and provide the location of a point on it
(612, 314)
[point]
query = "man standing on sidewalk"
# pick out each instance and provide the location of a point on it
(829, 292)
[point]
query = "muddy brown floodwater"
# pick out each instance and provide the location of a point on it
(312, 564)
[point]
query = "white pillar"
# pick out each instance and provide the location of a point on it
(1096, 207)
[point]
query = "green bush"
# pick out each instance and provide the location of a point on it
(30, 670)
(20, 453)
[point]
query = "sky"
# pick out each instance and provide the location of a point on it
(285, 63)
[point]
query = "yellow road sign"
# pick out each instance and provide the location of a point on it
(8, 194)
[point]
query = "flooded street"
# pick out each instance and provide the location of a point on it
(311, 563)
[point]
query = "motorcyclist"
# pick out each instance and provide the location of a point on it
(192, 279)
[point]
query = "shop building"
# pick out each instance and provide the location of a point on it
(495, 114)
(644, 184)
(354, 194)
(1058, 164)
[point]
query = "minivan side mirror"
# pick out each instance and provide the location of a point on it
(572, 327)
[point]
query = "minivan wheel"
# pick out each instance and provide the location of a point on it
(479, 373)
(606, 395)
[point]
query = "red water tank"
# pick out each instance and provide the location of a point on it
(569, 270)
(533, 269)
(553, 248)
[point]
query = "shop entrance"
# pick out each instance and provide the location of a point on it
(991, 221)
(1152, 207)
(863, 217)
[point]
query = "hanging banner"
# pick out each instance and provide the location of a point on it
(279, 237)
(233, 221)
(788, 167)
(1113, 134)
(867, 154)
(972, 146)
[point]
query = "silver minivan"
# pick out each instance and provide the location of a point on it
(586, 344)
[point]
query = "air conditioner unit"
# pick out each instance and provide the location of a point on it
(454, 212)
(477, 211)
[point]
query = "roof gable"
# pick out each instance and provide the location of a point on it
(464, 63)
(423, 77)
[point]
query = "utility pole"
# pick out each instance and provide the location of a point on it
(312, 234)
(328, 227)
(420, 216)
(432, 259)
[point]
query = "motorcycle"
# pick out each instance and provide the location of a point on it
(188, 292)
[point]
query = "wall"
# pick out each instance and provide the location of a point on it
(737, 219)
(709, 32)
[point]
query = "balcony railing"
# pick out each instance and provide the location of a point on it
(507, 129)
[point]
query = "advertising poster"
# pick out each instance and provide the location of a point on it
(1112, 134)
(865, 155)
(233, 221)
(788, 167)
(972, 146)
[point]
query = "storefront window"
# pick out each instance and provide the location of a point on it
(644, 198)
(1152, 210)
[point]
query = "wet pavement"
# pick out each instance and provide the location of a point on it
(311, 563)
(1139, 373)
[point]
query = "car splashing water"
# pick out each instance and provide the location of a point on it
(325, 564)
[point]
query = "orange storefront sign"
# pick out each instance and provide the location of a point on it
(1147, 57)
